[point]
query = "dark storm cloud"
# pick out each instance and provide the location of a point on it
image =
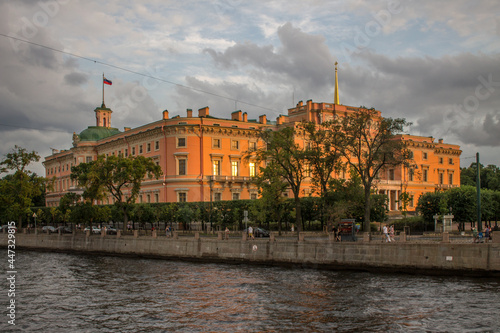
(491, 129)
(75, 79)
(447, 95)
(301, 57)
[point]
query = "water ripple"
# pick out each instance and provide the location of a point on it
(59, 292)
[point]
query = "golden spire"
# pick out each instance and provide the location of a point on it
(336, 97)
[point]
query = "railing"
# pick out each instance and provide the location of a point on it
(229, 179)
(375, 237)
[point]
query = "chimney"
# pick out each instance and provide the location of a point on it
(280, 120)
(236, 115)
(203, 112)
(245, 117)
(440, 140)
(165, 114)
(299, 103)
(189, 113)
(263, 119)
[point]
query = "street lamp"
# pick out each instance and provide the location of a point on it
(34, 216)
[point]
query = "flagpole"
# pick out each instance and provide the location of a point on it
(103, 89)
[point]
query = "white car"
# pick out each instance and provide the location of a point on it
(95, 230)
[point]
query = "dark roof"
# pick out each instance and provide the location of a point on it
(96, 133)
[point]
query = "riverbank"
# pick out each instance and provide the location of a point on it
(436, 258)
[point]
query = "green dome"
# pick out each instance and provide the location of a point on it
(96, 133)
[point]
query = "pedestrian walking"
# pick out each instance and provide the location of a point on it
(486, 234)
(250, 232)
(386, 234)
(227, 233)
(474, 235)
(391, 233)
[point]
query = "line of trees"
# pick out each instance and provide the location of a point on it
(361, 144)
(462, 203)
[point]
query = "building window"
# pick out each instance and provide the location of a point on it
(450, 179)
(126, 152)
(140, 149)
(391, 174)
(440, 160)
(252, 169)
(253, 196)
(182, 167)
(140, 198)
(236, 196)
(235, 144)
(216, 143)
(216, 167)
(133, 151)
(424, 175)
(181, 142)
(217, 196)
(411, 173)
(157, 197)
(411, 203)
(181, 197)
(88, 159)
(450, 161)
(424, 155)
(149, 198)
(234, 168)
(252, 146)
(307, 170)
(157, 145)
(441, 177)
(149, 147)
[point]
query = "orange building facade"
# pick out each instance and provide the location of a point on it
(202, 157)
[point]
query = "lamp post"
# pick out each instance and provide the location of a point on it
(34, 216)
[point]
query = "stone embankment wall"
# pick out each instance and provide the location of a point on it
(428, 258)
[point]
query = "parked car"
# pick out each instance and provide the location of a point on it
(64, 230)
(110, 230)
(95, 230)
(6, 228)
(259, 232)
(49, 229)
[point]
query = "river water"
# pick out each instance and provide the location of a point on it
(58, 292)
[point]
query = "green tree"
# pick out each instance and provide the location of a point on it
(370, 145)
(432, 203)
(462, 201)
(20, 186)
(490, 176)
(118, 176)
(271, 187)
(288, 159)
(323, 157)
(468, 175)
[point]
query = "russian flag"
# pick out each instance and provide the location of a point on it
(106, 81)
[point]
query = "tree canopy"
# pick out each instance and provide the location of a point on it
(116, 175)
(20, 186)
(369, 146)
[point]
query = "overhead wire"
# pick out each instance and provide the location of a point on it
(137, 73)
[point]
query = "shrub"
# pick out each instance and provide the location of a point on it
(416, 224)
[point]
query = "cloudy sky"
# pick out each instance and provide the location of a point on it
(435, 63)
